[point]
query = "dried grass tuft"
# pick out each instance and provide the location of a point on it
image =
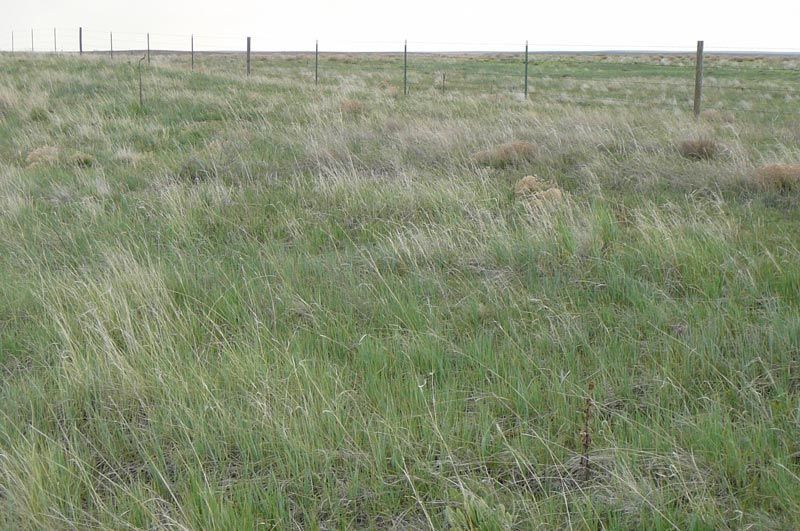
(781, 177)
(699, 149)
(42, 156)
(352, 107)
(506, 155)
(537, 192)
(530, 184)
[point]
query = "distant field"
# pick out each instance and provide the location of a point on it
(257, 302)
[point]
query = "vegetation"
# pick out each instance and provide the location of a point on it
(254, 302)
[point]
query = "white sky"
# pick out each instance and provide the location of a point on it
(427, 24)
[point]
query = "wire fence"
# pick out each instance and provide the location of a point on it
(762, 83)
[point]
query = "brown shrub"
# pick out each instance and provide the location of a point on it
(699, 149)
(507, 154)
(781, 177)
(41, 156)
(351, 107)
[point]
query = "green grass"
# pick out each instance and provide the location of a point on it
(241, 307)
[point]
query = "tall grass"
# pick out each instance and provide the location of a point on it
(257, 307)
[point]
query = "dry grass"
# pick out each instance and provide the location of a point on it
(537, 192)
(82, 160)
(506, 155)
(782, 177)
(530, 184)
(718, 116)
(699, 149)
(42, 156)
(352, 107)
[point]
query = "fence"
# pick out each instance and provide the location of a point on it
(766, 82)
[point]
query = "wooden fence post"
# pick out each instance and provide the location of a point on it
(316, 63)
(80, 41)
(248, 56)
(192, 52)
(526, 70)
(698, 79)
(405, 68)
(443, 80)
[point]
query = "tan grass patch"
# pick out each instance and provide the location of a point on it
(42, 156)
(352, 107)
(699, 149)
(537, 192)
(507, 154)
(530, 184)
(782, 177)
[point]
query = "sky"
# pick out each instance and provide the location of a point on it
(428, 25)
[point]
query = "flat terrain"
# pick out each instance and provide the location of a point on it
(260, 303)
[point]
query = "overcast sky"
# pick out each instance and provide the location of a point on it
(427, 24)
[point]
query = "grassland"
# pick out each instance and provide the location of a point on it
(254, 302)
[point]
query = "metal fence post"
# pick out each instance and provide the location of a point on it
(526, 70)
(111, 36)
(55, 42)
(698, 79)
(80, 41)
(316, 63)
(405, 68)
(248, 56)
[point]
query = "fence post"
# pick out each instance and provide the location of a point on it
(192, 52)
(148, 48)
(80, 41)
(55, 43)
(316, 63)
(405, 68)
(12, 42)
(526, 70)
(698, 79)
(111, 36)
(443, 79)
(32, 48)
(248, 56)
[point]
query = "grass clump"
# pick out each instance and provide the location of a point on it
(195, 170)
(82, 160)
(779, 177)
(699, 149)
(537, 192)
(351, 107)
(43, 156)
(504, 155)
